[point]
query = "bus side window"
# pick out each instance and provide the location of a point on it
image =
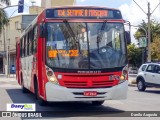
(23, 47)
(35, 39)
(30, 42)
(16, 48)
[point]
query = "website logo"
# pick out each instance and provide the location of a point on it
(20, 107)
(6, 114)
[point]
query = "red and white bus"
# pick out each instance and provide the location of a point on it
(74, 54)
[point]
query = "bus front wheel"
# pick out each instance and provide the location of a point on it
(24, 90)
(96, 103)
(40, 100)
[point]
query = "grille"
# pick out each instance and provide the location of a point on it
(70, 84)
(88, 84)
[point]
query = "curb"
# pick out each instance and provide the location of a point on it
(132, 85)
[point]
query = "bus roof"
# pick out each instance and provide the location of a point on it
(29, 26)
(77, 6)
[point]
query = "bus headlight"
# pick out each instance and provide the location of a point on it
(51, 76)
(122, 79)
(53, 80)
(124, 75)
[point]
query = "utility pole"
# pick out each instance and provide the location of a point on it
(5, 53)
(149, 27)
(149, 33)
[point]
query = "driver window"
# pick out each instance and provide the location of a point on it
(150, 68)
(116, 42)
(156, 69)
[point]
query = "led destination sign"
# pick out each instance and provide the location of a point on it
(82, 12)
(95, 13)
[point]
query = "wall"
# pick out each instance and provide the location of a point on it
(13, 30)
(52, 3)
(35, 9)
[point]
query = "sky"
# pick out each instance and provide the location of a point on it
(130, 11)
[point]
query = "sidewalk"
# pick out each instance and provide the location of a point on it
(9, 82)
(132, 80)
(11, 76)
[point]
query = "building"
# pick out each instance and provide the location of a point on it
(35, 10)
(1, 52)
(9, 36)
(52, 3)
(1, 6)
(13, 30)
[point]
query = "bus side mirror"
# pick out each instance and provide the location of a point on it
(128, 37)
(42, 30)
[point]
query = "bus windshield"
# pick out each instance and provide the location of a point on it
(83, 45)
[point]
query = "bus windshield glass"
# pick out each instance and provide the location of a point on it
(82, 45)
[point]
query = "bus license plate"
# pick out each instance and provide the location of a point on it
(90, 93)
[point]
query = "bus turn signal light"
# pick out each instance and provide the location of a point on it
(49, 73)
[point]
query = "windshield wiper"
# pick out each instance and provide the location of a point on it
(100, 34)
(73, 36)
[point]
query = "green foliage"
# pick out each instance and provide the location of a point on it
(3, 16)
(155, 37)
(156, 49)
(140, 32)
(134, 55)
(7, 2)
(155, 30)
(3, 19)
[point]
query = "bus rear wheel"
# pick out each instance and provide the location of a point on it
(96, 103)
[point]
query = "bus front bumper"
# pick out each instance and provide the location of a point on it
(60, 93)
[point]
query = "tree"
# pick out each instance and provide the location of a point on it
(155, 37)
(3, 16)
(155, 30)
(7, 2)
(134, 55)
(156, 49)
(140, 32)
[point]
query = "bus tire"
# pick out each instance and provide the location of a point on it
(97, 103)
(41, 102)
(24, 90)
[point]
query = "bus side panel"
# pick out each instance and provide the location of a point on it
(40, 60)
(33, 72)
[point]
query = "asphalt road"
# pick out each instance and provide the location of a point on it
(10, 92)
